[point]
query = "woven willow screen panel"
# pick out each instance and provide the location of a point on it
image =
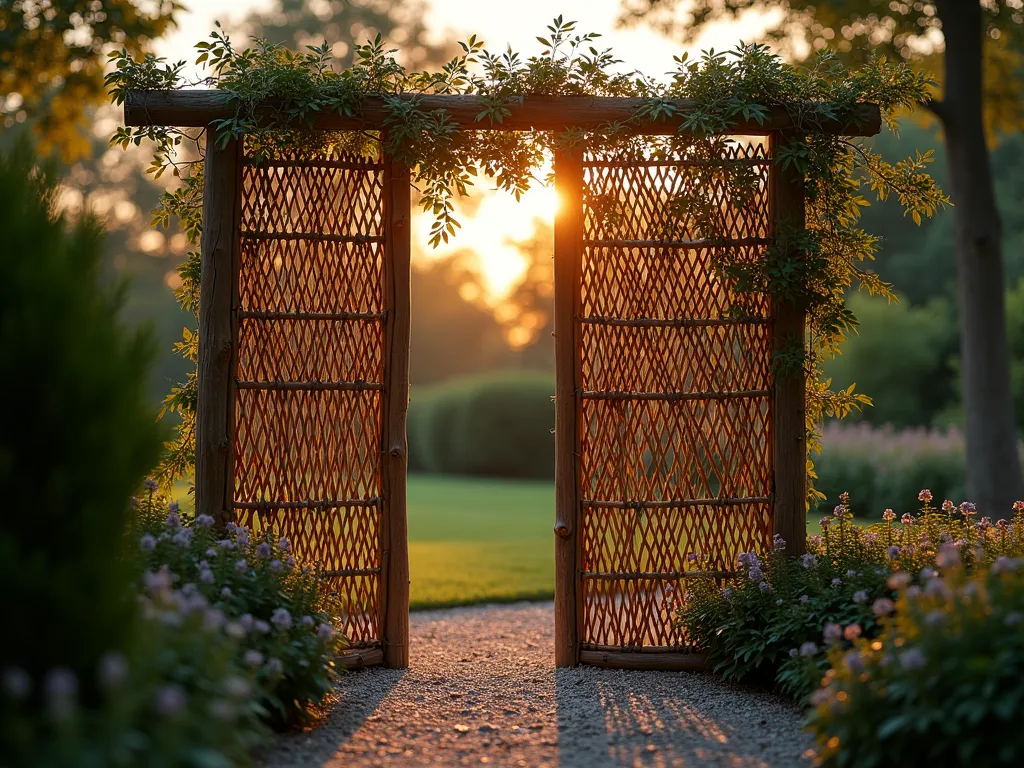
(310, 369)
(675, 409)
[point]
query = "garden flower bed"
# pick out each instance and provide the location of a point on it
(903, 633)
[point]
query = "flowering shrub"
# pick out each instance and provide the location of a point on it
(942, 684)
(252, 588)
(773, 620)
(178, 696)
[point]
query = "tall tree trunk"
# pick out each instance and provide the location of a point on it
(994, 479)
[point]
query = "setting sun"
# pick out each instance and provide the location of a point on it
(494, 227)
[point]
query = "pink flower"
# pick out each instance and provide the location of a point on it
(888, 515)
(898, 580)
(882, 606)
(948, 556)
(967, 508)
(925, 495)
(907, 519)
(948, 506)
(1018, 506)
(852, 632)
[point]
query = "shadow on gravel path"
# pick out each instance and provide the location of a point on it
(482, 690)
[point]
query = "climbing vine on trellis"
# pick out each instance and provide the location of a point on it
(275, 91)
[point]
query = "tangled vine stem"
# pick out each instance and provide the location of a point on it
(268, 94)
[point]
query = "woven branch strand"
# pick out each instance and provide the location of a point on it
(313, 386)
(348, 165)
(655, 575)
(677, 396)
(689, 245)
(673, 322)
(312, 236)
(310, 504)
(325, 316)
(676, 503)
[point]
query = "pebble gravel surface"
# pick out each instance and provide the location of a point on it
(482, 689)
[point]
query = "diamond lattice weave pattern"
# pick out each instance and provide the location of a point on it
(676, 406)
(310, 369)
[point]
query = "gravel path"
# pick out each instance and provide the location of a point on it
(482, 689)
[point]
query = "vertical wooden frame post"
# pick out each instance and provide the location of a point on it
(395, 446)
(789, 444)
(218, 331)
(568, 254)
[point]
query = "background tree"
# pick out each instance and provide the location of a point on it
(971, 38)
(346, 23)
(52, 58)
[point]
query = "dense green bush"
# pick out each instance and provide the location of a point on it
(78, 435)
(768, 621)
(499, 424)
(942, 685)
(881, 467)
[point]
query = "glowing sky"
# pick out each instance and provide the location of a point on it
(498, 219)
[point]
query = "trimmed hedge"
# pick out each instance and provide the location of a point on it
(499, 424)
(881, 467)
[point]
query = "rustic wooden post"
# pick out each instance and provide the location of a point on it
(568, 253)
(789, 445)
(395, 447)
(218, 331)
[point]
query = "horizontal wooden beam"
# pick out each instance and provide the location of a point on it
(669, 662)
(360, 658)
(198, 108)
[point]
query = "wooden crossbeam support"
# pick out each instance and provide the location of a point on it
(198, 108)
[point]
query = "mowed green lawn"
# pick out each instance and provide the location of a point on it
(473, 540)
